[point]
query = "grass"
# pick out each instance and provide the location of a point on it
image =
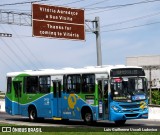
(84, 133)
(72, 131)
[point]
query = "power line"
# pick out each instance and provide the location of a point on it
(24, 63)
(133, 19)
(20, 50)
(5, 63)
(13, 52)
(131, 27)
(20, 3)
(125, 5)
(23, 53)
(52, 1)
(70, 3)
(10, 57)
(120, 6)
(27, 48)
(14, 9)
(73, 2)
(96, 3)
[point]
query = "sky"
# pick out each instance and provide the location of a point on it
(127, 28)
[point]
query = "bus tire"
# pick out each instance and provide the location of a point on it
(88, 117)
(32, 114)
(120, 122)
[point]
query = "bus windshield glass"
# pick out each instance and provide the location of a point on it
(129, 88)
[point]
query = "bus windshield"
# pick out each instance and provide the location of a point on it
(129, 88)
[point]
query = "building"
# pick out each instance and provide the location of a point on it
(151, 65)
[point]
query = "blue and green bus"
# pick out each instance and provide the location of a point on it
(114, 93)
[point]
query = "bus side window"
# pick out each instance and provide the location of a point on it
(9, 84)
(112, 88)
(17, 88)
(76, 83)
(32, 84)
(73, 83)
(100, 92)
(44, 84)
(64, 83)
(88, 83)
(69, 84)
(106, 88)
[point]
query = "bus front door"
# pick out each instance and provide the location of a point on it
(103, 98)
(18, 94)
(57, 99)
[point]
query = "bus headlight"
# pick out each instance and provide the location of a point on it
(116, 109)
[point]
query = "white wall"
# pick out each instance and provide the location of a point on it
(145, 61)
(154, 113)
(2, 105)
(152, 60)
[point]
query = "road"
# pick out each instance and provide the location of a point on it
(18, 120)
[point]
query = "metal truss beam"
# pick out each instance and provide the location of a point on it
(15, 18)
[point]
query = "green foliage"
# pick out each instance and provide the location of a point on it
(156, 97)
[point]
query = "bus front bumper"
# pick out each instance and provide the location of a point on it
(130, 115)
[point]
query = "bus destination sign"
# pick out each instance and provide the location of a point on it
(127, 72)
(58, 22)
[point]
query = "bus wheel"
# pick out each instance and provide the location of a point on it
(88, 118)
(32, 114)
(120, 122)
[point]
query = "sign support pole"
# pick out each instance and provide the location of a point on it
(96, 30)
(98, 42)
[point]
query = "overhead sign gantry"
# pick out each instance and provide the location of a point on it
(69, 26)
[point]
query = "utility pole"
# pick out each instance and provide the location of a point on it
(98, 42)
(150, 90)
(96, 30)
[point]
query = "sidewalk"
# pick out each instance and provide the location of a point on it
(147, 120)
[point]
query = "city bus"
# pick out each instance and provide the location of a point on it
(114, 93)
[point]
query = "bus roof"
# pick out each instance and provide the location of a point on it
(68, 70)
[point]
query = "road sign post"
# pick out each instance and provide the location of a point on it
(96, 30)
